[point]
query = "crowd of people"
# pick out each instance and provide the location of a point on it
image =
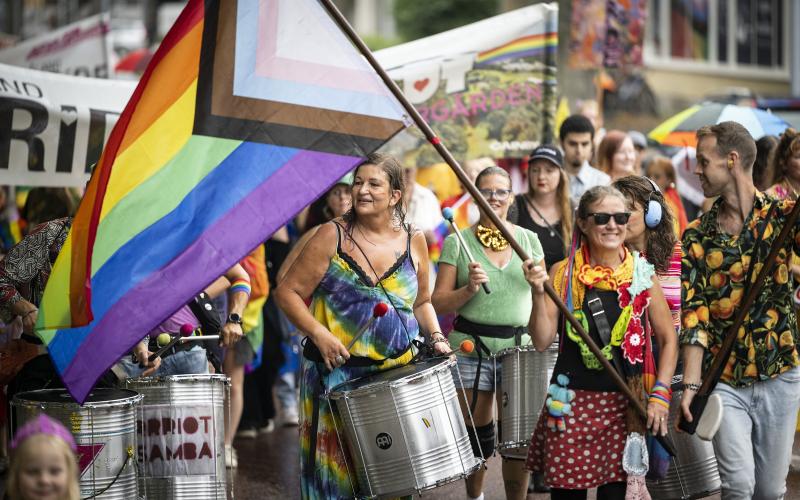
(601, 221)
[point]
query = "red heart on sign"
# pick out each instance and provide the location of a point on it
(421, 84)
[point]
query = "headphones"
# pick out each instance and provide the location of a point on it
(652, 209)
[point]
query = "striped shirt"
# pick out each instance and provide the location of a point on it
(670, 282)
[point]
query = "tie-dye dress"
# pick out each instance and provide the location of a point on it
(343, 302)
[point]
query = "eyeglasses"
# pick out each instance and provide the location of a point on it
(601, 219)
(499, 194)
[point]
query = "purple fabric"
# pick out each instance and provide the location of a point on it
(224, 243)
(173, 324)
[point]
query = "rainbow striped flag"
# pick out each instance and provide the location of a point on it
(526, 46)
(248, 111)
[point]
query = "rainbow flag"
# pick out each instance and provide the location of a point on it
(526, 46)
(248, 111)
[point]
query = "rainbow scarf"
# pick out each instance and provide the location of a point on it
(248, 111)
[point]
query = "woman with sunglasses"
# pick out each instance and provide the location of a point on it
(493, 321)
(613, 292)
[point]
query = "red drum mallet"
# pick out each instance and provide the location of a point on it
(379, 310)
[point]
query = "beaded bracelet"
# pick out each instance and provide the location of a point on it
(441, 339)
(661, 394)
(691, 387)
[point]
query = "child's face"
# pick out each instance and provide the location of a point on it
(43, 476)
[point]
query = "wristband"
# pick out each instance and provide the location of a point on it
(240, 285)
(691, 387)
(660, 395)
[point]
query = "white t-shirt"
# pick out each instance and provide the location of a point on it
(423, 209)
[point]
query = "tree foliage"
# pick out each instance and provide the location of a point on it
(421, 18)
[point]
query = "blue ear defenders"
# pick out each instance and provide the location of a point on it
(652, 209)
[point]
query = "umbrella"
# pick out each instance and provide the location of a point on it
(680, 129)
(135, 61)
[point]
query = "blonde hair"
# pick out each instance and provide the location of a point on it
(23, 453)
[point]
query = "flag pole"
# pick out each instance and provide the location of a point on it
(431, 136)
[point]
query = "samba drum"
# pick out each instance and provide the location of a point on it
(104, 428)
(525, 376)
(693, 473)
(182, 436)
(403, 429)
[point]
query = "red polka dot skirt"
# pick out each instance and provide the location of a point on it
(589, 453)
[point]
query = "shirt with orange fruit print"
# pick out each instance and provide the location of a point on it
(714, 269)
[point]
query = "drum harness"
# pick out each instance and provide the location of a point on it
(478, 330)
(312, 353)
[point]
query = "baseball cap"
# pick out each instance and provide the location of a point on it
(547, 152)
(638, 138)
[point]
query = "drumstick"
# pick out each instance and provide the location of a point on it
(186, 330)
(379, 310)
(447, 213)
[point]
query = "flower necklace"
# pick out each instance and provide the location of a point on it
(631, 280)
(491, 238)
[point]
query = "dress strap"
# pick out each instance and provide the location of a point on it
(408, 245)
(338, 237)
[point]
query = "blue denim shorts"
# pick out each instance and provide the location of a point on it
(189, 362)
(467, 366)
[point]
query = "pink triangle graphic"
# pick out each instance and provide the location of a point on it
(87, 454)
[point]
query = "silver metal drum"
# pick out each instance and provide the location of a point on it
(104, 428)
(693, 473)
(403, 429)
(182, 431)
(525, 374)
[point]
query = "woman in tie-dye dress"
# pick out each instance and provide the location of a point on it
(351, 264)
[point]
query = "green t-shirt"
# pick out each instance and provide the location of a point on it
(509, 304)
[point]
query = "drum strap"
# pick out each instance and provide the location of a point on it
(482, 349)
(311, 465)
(601, 322)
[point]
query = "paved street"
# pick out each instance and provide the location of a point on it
(268, 468)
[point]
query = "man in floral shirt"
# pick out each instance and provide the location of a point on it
(760, 385)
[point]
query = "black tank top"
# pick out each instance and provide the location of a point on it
(569, 360)
(551, 243)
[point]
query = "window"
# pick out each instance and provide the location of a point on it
(725, 35)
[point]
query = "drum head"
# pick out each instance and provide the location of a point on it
(63, 397)
(391, 375)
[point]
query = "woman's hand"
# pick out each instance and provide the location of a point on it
(657, 418)
(440, 344)
(535, 274)
(142, 354)
(230, 334)
(334, 353)
(477, 276)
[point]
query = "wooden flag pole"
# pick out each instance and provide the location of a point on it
(431, 136)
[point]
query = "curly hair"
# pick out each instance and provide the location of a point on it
(788, 144)
(660, 239)
(394, 172)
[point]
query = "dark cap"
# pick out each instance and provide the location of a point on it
(547, 152)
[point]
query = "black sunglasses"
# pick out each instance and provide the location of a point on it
(601, 219)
